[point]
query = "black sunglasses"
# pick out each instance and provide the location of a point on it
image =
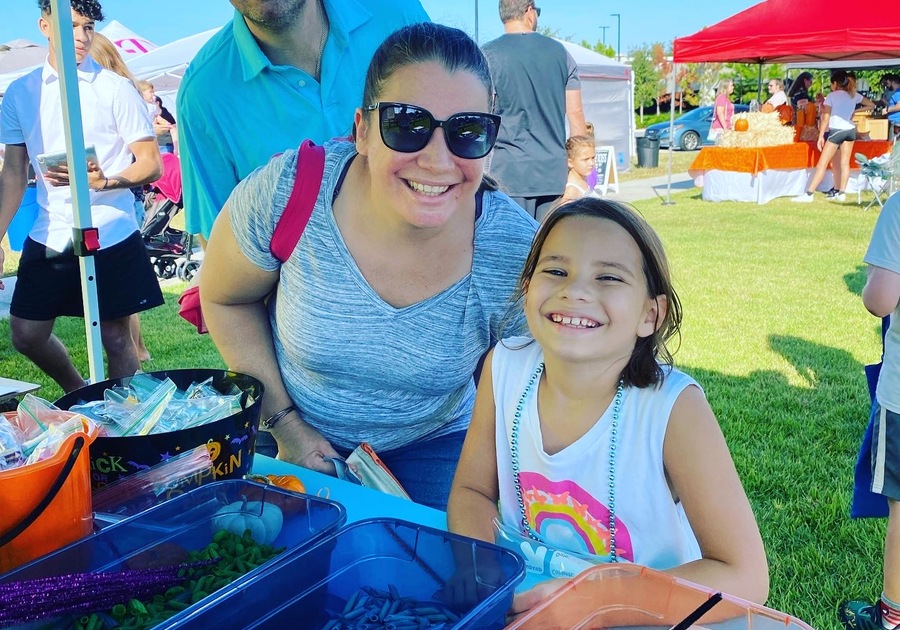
(407, 129)
(536, 10)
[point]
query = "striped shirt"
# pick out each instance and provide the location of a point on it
(358, 368)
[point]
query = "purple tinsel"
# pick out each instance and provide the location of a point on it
(41, 598)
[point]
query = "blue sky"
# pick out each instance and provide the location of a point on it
(642, 21)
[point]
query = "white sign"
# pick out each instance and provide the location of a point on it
(607, 176)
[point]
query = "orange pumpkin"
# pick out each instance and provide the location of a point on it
(786, 113)
(741, 124)
(767, 108)
(287, 482)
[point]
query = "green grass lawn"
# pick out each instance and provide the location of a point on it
(776, 333)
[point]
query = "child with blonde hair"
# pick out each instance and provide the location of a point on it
(581, 157)
(585, 437)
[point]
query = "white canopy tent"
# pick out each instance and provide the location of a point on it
(607, 95)
(19, 57)
(165, 66)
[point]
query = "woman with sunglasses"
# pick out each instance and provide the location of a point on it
(400, 281)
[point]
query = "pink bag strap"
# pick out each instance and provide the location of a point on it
(308, 180)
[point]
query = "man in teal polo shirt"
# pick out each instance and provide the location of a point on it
(277, 74)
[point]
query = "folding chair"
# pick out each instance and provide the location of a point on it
(876, 175)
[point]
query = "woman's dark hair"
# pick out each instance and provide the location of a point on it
(87, 8)
(423, 43)
(842, 79)
(643, 367)
(799, 83)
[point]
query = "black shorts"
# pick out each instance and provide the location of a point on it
(840, 136)
(48, 283)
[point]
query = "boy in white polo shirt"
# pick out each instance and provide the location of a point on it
(116, 123)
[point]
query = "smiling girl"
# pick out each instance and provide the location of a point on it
(586, 435)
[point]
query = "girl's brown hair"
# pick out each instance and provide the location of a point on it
(643, 367)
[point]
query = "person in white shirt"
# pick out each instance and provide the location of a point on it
(778, 97)
(117, 125)
(836, 131)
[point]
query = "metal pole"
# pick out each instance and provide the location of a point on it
(668, 201)
(61, 22)
(476, 21)
(618, 35)
(603, 28)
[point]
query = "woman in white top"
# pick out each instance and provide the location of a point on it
(776, 89)
(837, 126)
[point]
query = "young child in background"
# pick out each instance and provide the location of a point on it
(592, 177)
(587, 436)
(881, 296)
(581, 156)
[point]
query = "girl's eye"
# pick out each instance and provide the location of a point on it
(608, 278)
(554, 272)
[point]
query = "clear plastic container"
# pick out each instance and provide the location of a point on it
(620, 595)
(160, 535)
(313, 586)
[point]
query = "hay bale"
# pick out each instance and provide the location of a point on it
(765, 130)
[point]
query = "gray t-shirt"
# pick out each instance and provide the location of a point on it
(358, 368)
(884, 252)
(531, 74)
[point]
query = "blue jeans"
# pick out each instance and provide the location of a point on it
(425, 469)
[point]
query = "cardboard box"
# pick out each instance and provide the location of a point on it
(878, 128)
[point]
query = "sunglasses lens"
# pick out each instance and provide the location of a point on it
(471, 136)
(405, 128)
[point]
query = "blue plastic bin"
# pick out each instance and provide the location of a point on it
(392, 556)
(186, 522)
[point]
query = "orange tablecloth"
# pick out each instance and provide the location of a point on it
(869, 148)
(786, 156)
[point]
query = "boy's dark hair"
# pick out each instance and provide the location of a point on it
(643, 367)
(87, 8)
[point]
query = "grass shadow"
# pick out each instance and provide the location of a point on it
(856, 280)
(795, 446)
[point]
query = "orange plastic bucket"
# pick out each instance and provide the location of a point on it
(65, 518)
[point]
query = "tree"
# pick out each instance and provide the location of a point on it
(646, 77)
(746, 76)
(663, 67)
(600, 47)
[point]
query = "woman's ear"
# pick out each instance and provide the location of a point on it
(654, 315)
(360, 131)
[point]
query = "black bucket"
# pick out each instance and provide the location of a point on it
(231, 441)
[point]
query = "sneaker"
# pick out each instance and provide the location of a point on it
(859, 615)
(832, 192)
(804, 198)
(838, 196)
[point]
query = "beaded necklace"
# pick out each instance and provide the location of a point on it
(514, 447)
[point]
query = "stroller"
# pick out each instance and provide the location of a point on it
(169, 248)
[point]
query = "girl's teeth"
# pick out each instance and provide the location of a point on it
(425, 189)
(578, 322)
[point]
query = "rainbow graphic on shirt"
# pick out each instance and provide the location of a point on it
(568, 517)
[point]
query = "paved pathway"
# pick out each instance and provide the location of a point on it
(633, 190)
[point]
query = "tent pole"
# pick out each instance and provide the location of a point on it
(61, 22)
(668, 201)
(759, 83)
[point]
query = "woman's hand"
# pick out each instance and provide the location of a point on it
(305, 446)
(820, 143)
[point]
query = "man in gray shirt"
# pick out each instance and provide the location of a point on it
(537, 89)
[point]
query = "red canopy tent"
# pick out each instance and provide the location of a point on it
(796, 31)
